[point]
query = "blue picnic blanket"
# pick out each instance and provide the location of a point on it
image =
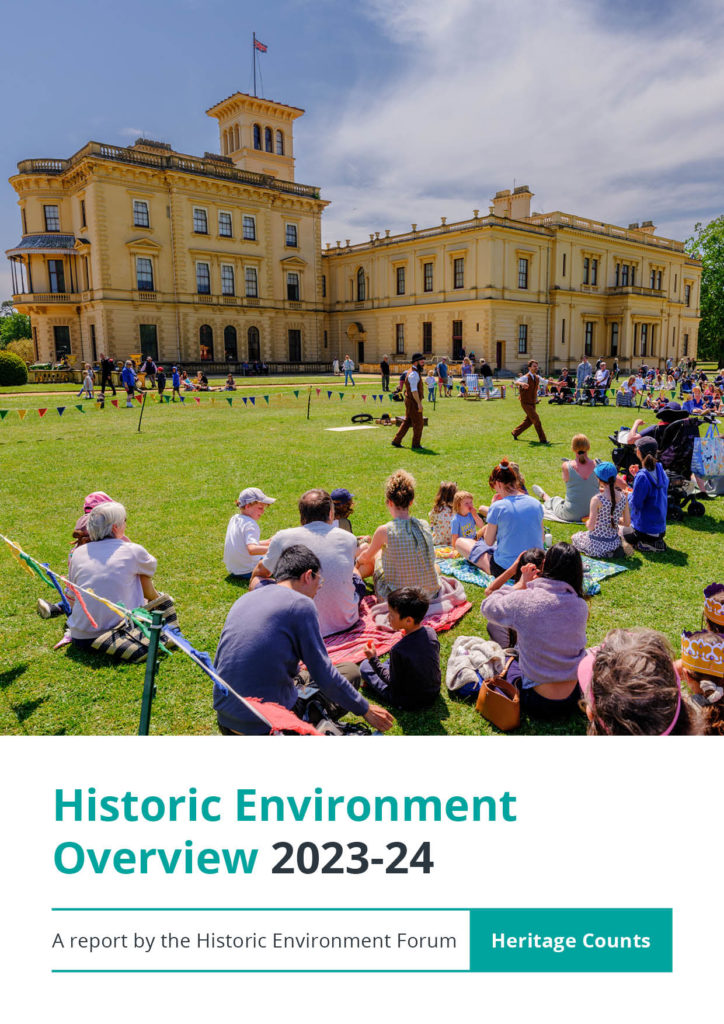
(593, 572)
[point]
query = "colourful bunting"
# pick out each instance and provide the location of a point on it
(229, 400)
(80, 408)
(329, 394)
(341, 395)
(114, 401)
(244, 399)
(296, 394)
(42, 412)
(252, 399)
(364, 398)
(166, 399)
(22, 413)
(319, 391)
(182, 399)
(266, 399)
(3, 413)
(61, 410)
(139, 398)
(197, 400)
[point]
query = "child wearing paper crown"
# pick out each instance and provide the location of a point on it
(243, 547)
(702, 666)
(714, 607)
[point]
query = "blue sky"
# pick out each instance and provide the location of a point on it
(416, 110)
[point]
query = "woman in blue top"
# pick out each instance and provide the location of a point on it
(514, 524)
(648, 500)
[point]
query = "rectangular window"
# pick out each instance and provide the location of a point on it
(614, 339)
(291, 236)
(225, 225)
(82, 223)
(427, 338)
(324, 286)
(563, 331)
(644, 339)
(686, 344)
(399, 339)
(563, 272)
(459, 272)
(326, 340)
(201, 224)
(94, 353)
(618, 275)
(522, 273)
(652, 279)
(624, 275)
(687, 294)
(653, 339)
(293, 287)
(676, 281)
(248, 228)
(588, 338)
(295, 346)
(400, 280)
(56, 276)
(52, 218)
(144, 274)
(586, 270)
(61, 336)
(227, 279)
(633, 275)
(140, 214)
(522, 339)
(594, 271)
(658, 280)
(203, 279)
(635, 339)
(457, 339)
(148, 340)
(427, 276)
(251, 286)
(25, 221)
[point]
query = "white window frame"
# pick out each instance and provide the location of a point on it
(149, 260)
(51, 206)
(205, 212)
(247, 272)
(144, 203)
(223, 234)
(248, 219)
(228, 267)
(287, 243)
(203, 263)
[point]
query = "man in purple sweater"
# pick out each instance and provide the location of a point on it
(266, 634)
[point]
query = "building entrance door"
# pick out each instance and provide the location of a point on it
(360, 352)
(499, 355)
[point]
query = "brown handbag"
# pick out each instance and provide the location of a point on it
(499, 701)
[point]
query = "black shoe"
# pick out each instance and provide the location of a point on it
(417, 448)
(514, 436)
(395, 444)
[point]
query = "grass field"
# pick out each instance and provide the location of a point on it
(178, 479)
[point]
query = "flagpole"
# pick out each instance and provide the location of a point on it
(253, 57)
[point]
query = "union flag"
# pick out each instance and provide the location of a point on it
(258, 45)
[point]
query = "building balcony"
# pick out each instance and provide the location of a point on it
(45, 298)
(635, 289)
(144, 295)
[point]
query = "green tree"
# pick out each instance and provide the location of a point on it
(707, 245)
(13, 328)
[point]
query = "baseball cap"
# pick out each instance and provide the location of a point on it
(341, 494)
(605, 471)
(647, 446)
(250, 494)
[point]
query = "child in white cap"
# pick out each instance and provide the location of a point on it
(242, 547)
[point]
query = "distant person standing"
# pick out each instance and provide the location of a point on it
(160, 381)
(175, 384)
(128, 377)
(528, 394)
(487, 374)
(348, 367)
(583, 370)
(413, 405)
(385, 371)
(107, 368)
(442, 374)
(335, 367)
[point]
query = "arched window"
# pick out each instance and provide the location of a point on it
(236, 136)
(280, 143)
(361, 289)
(225, 143)
(206, 343)
(257, 136)
(268, 140)
(230, 353)
(254, 347)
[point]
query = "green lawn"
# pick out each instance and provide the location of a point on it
(178, 479)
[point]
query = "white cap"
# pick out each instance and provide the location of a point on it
(250, 494)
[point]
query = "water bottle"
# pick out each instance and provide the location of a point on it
(547, 540)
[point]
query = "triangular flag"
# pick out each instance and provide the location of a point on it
(114, 401)
(183, 399)
(341, 395)
(364, 398)
(139, 398)
(252, 400)
(42, 412)
(266, 399)
(319, 391)
(213, 400)
(197, 400)
(229, 400)
(166, 399)
(61, 410)
(296, 394)
(22, 413)
(80, 408)
(243, 398)
(3, 413)
(329, 394)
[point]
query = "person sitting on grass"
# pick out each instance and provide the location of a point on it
(401, 552)
(702, 669)
(466, 523)
(549, 614)
(412, 679)
(441, 514)
(514, 523)
(114, 568)
(202, 381)
(266, 634)
(533, 556)
(230, 384)
(609, 509)
(243, 548)
(648, 501)
(631, 688)
(581, 484)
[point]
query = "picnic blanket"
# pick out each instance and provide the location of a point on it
(593, 572)
(548, 513)
(374, 625)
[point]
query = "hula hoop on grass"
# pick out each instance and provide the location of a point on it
(362, 417)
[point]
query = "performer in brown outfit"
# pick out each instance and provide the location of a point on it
(413, 404)
(528, 394)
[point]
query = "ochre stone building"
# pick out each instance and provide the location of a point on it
(142, 249)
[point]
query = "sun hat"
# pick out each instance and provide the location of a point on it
(251, 494)
(605, 471)
(417, 357)
(671, 412)
(341, 494)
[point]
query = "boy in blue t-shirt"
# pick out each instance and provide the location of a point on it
(175, 384)
(465, 522)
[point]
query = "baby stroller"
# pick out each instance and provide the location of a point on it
(591, 393)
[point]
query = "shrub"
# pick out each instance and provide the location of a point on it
(13, 371)
(23, 348)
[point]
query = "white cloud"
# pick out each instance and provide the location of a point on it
(596, 120)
